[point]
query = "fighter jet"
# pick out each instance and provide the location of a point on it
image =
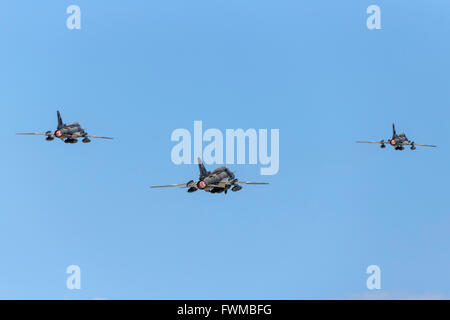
(398, 141)
(220, 180)
(69, 133)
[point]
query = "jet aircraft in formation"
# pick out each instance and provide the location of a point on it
(69, 133)
(220, 180)
(398, 141)
(217, 181)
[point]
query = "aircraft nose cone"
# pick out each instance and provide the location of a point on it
(201, 184)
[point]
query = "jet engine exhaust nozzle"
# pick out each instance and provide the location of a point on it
(201, 184)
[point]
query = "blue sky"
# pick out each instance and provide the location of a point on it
(140, 70)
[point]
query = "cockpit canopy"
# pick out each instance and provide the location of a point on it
(74, 124)
(220, 169)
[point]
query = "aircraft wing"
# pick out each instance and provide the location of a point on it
(248, 182)
(34, 134)
(170, 185)
(381, 142)
(97, 137)
(410, 143)
(424, 145)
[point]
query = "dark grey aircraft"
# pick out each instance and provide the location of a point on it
(69, 133)
(220, 180)
(398, 141)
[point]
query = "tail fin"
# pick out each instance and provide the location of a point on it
(201, 167)
(60, 122)
(393, 130)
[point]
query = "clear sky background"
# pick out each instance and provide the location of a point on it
(139, 70)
